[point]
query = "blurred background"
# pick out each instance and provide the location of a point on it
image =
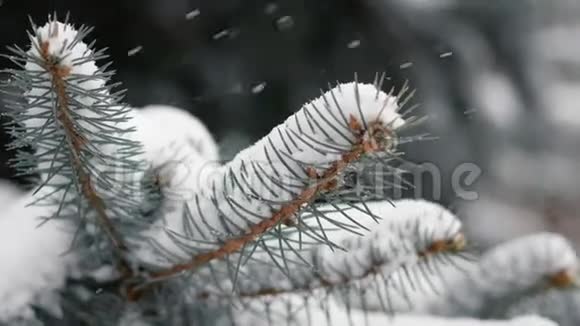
(498, 80)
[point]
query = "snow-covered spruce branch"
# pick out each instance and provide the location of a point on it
(35, 258)
(72, 119)
(412, 237)
(92, 163)
(408, 234)
(274, 227)
(509, 273)
(237, 207)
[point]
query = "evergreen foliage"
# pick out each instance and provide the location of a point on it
(134, 221)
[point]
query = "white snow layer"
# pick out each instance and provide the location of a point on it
(71, 55)
(104, 124)
(179, 148)
(406, 227)
(162, 128)
(515, 267)
(33, 259)
(66, 77)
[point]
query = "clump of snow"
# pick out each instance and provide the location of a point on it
(59, 39)
(406, 232)
(63, 65)
(179, 148)
(325, 121)
(407, 228)
(64, 48)
(34, 259)
(508, 270)
(162, 126)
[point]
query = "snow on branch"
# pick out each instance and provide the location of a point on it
(35, 259)
(407, 232)
(232, 208)
(166, 132)
(276, 230)
(72, 118)
(175, 146)
(509, 273)
(140, 210)
(411, 236)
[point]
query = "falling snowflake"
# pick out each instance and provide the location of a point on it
(258, 88)
(221, 34)
(353, 44)
(134, 50)
(192, 14)
(285, 23)
(446, 54)
(406, 65)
